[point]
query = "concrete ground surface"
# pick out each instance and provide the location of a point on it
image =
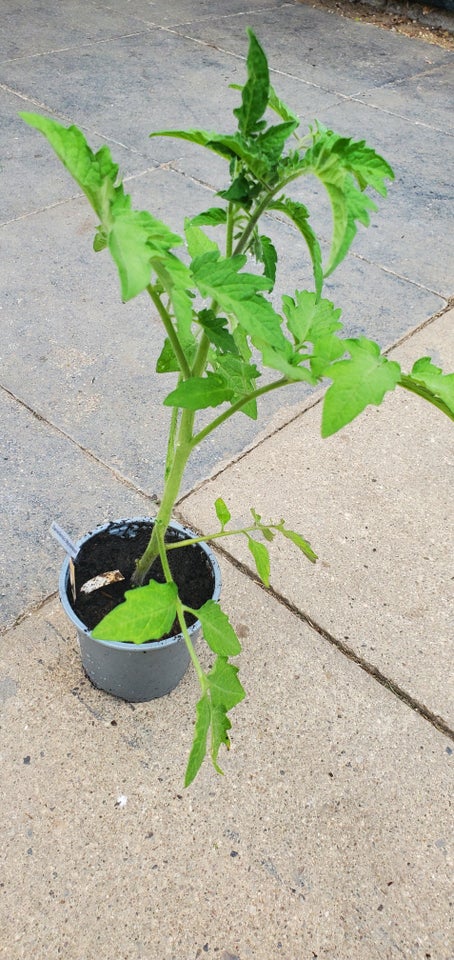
(330, 835)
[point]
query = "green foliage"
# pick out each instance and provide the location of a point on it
(218, 318)
(146, 614)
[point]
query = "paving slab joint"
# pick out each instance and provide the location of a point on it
(416, 705)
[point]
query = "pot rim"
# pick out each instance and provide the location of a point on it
(63, 585)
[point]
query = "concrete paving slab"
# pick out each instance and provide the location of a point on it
(340, 55)
(425, 98)
(44, 477)
(375, 502)
(184, 11)
(328, 837)
(50, 27)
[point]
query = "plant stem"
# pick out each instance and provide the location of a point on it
(183, 448)
(171, 332)
(213, 536)
(283, 382)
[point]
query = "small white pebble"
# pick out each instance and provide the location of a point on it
(121, 801)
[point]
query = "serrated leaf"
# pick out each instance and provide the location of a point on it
(95, 173)
(299, 542)
(228, 146)
(239, 294)
(254, 94)
(134, 239)
(217, 331)
(146, 614)
(217, 630)
(272, 141)
(225, 688)
(299, 215)
(314, 321)
(341, 164)
(261, 560)
(220, 725)
(198, 393)
(265, 252)
(440, 385)
(362, 380)
(197, 241)
(281, 108)
(222, 512)
(199, 744)
(210, 218)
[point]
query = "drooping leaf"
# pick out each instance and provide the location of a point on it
(342, 165)
(261, 560)
(220, 725)
(428, 381)
(222, 512)
(135, 238)
(198, 393)
(299, 215)
(254, 94)
(225, 688)
(299, 542)
(199, 744)
(241, 377)
(146, 614)
(217, 630)
(357, 382)
(281, 108)
(265, 252)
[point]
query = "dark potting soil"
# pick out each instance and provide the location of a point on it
(118, 548)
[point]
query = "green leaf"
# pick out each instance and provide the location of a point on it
(146, 614)
(197, 241)
(299, 542)
(222, 512)
(210, 218)
(254, 95)
(431, 383)
(280, 107)
(272, 141)
(241, 377)
(238, 293)
(217, 630)
(265, 252)
(220, 725)
(167, 361)
(217, 331)
(200, 392)
(225, 688)
(314, 321)
(199, 744)
(261, 559)
(228, 146)
(357, 382)
(134, 240)
(341, 164)
(299, 215)
(95, 173)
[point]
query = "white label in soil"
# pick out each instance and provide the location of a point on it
(64, 540)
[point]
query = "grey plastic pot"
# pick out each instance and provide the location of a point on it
(135, 672)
